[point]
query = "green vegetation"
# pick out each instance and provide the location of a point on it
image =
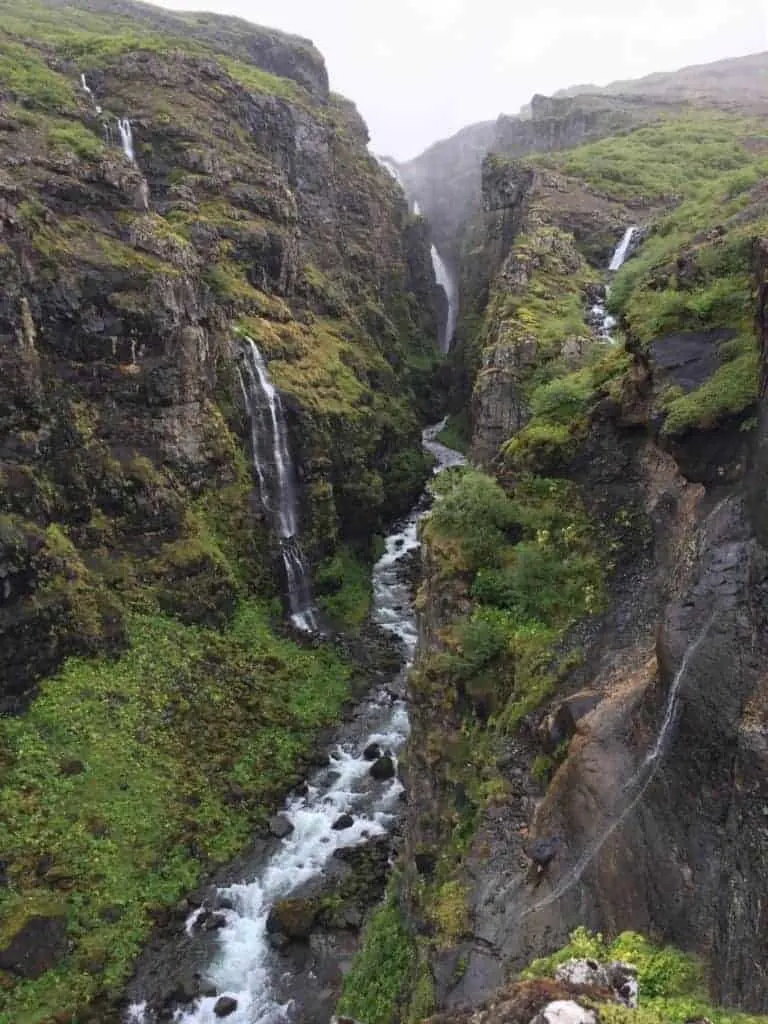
(375, 987)
(24, 74)
(117, 793)
(729, 391)
(672, 985)
(457, 432)
(77, 139)
(343, 588)
(663, 161)
(258, 80)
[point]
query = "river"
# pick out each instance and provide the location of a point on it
(250, 978)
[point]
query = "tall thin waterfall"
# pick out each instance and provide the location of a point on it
(276, 478)
(89, 92)
(126, 138)
(447, 283)
(620, 256)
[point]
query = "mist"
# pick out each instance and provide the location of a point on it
(419, 70)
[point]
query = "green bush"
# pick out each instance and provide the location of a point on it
(474, 511)
(376, 985)
(79, 140)
(728, 392)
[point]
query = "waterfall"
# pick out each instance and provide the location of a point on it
(620, 256)
(276, 477)
(600, 317)
(446, 282)
(126, 137)
(89, 91)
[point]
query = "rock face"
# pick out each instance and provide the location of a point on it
(35, 947)
(252, 205)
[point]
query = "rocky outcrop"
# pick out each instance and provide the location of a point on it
(252, 206)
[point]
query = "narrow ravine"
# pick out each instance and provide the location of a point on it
(248, 976)
(603, 321)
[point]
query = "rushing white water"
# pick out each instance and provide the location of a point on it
(445, 280)
(636, 785)
(247, 968)
(620, 256)
(416, 208)
(603, 320)
(126, 138)
(276, 476)
(87, 89)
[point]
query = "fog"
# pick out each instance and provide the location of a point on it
(421, 69)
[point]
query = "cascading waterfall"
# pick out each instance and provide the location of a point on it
(276, 478)
(89, 91)
(126, 138)
(445, 280)
(620, 256)
(603, 320)
(247, 969)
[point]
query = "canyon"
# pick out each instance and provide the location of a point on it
(383, 549)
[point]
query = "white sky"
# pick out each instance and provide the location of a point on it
(421, 69)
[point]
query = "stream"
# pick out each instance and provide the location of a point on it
(246, 970)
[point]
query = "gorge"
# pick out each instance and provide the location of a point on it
(311, 711)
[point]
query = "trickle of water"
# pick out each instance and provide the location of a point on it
(276, 478)
(126, 138)
(638, 782)
(445, 279)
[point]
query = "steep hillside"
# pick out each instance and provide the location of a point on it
(169, 185)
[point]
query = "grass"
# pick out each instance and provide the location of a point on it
(672, 987)
(174, 776)
(257, 80)
(76, 138)
(24, 74)
(457, 432)
(664, 161)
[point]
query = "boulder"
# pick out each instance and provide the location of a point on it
(383, 769)
(225, 1005)
(619, 977)
(36, 947)
(372, 752)
(564, 1011)
(294, 918)
(280, 826)
(343, 822)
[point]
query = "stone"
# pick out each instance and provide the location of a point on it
(343, 822)
(207, 990)
(564, 1011)
(280, 826)
(294, 918)
(215, 922)
(36, 947)
(618, 976)
(372, 752)
(383, 769)
(225, 1006)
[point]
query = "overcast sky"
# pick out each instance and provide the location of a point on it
(421, 69)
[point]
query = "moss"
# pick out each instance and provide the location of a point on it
(729, 391)
(457, 432)
(77, 139)
(257, 80)
(24, 73)
(672, 983)
(176, 773)
(343, 588)
(450, 913)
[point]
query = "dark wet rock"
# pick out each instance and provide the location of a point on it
(280, 826)
(293, 918)
(383, 769)
(425, 863)
(559, 726)
(215, 922)
(372, 752)
(207, 990)
(343, 822)
(225, 1006)
(36, 947)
